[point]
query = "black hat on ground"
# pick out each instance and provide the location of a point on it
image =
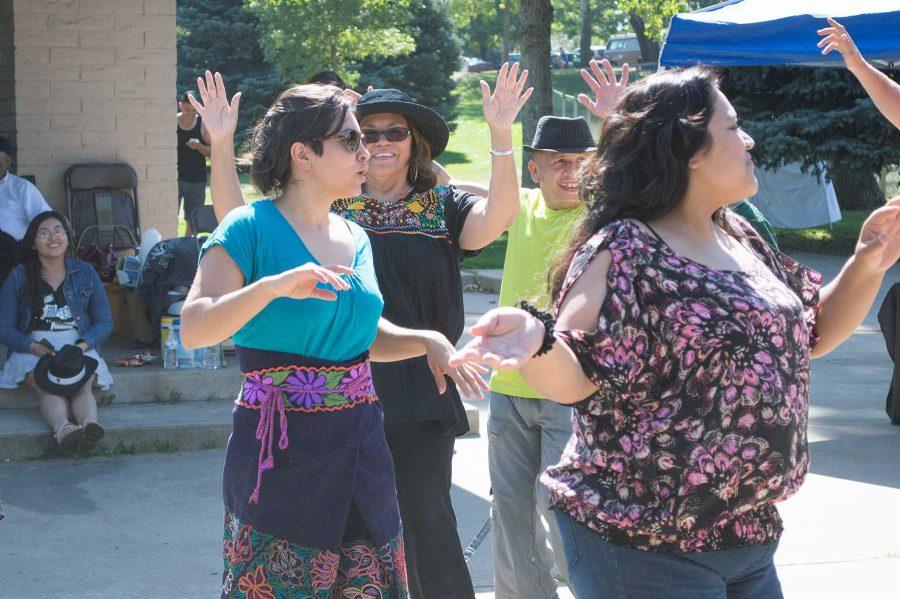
(561, 134)
(65, 372)
(430, 124)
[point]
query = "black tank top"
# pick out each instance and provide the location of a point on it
(191, 163)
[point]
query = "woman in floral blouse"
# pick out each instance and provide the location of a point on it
(683, 342)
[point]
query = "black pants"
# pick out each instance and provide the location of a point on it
(423, 463)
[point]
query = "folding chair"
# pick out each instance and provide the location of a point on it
(103, 205)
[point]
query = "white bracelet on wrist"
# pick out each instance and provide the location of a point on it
(501, 152)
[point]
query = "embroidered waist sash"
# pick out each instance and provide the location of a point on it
(304, 385)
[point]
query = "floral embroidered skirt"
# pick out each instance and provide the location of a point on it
(310, 499)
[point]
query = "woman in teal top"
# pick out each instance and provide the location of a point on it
(308, 484)
(262, 243)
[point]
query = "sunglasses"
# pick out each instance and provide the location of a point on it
(350, 139)
(371, 136)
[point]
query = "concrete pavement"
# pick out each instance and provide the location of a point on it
(150, 525)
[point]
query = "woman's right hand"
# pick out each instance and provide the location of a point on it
(836, 37)
(301, 282)
(607, 91)
(504, 338)
(219, 116)
(39, 349)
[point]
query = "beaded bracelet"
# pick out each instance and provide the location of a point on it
(549, 326)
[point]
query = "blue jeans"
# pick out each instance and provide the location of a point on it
(601, 570)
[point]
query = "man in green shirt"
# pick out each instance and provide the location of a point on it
(526, 433)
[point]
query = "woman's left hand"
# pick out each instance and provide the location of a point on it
(503, 105)
(878, 247)
(468, 377)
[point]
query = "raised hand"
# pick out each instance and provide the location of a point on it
(218, 114)
(878, 247)
(504, 338)
(466, 376)
(503, 105)
(607, 91)
(301, 282)
(837, 38)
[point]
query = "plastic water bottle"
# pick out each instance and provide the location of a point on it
(209, 357)
(170, 357)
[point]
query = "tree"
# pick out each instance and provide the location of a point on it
(535, 17)
(302, 37)
(649, 19)
(584, 40)
(604, 19)
(813, 115)
(486, 30)
(426, 74)
(207, 30)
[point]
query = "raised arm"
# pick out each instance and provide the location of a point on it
(884, 92)
(494, 214)
(219, 117)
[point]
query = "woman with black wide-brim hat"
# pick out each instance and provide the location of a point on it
(420, 231)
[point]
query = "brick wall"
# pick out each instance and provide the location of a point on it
(7, 87)
(95, 82)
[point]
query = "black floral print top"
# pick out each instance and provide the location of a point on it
(415, 245)
(699, 424)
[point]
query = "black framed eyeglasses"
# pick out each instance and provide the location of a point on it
(371, 136)
(350, 139)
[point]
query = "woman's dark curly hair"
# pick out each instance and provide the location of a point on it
(640, 168)
(304, 113)
(32, 261)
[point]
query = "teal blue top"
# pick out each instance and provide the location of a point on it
(262, 243)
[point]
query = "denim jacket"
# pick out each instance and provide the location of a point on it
(84, 294)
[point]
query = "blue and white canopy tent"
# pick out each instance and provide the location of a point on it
(780, 32)
(758, 33)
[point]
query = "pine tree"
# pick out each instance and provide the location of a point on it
(812, 115)
(221, 35)
(426, 74)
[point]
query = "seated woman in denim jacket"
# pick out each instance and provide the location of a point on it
(48, 302)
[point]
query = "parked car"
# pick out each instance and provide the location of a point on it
(556, 60)
(622, 48)
(575, 56)
(514, 57)
(477, 65)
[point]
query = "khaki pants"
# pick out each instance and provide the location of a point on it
(525, 437)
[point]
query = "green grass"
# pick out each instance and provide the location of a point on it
(490, 257)
(840, 238)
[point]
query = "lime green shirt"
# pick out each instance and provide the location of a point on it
(535, 240)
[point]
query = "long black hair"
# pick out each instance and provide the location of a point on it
(640, 169)
(32, 261)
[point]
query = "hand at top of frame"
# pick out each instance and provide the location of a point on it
(837, 38)
(503, 105)
(607, 91)
(218, 114)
